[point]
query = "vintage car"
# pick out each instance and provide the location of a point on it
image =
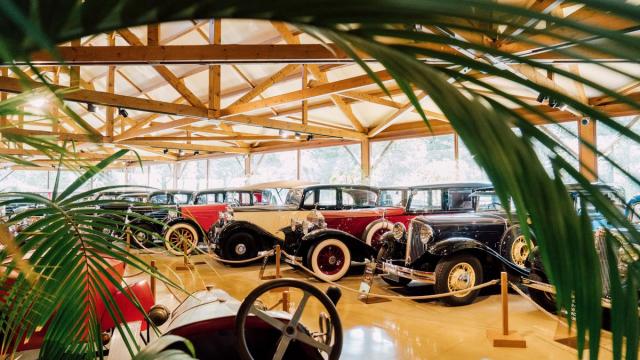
(243, 196)
(329, 241)
(537, 281)
(130, 312)
(245, 231)
(456, 251)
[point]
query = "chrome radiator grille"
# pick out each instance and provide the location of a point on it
(415, 248)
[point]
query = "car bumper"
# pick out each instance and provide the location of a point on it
(396, 271)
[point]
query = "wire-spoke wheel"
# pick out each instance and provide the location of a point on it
(374, 232)
(455, 273)
(519, 251)
(181, 239)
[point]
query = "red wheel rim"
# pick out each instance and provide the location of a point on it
(376, 238)
(330, 260)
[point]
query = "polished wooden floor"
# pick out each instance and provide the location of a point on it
(400, 328)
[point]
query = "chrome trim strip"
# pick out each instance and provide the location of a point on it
(424, 276)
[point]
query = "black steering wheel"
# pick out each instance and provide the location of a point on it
(290, 331)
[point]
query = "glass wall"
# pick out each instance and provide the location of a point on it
(226, 171)
(109, 178)
(161, 176)
(137, 175)
(564, 133)
(192, 175)
(274, 166)
(467, 168)
(331, 165)
(623, 151)
(413, 161)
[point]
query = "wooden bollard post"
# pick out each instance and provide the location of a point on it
(186, 264)
(152, 281)
(505, 337)
(278, 254)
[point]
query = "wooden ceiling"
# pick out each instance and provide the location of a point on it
(209, 88)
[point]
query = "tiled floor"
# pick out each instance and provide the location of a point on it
(400, 328)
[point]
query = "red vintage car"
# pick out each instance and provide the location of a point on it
(130, 312)
(330, 240)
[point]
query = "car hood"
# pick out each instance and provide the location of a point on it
(479, 218)
(368, 212)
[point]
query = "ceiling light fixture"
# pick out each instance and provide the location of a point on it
(282, 133)
(196, 153)
(122, 112)
(165, 151)
(541, 98)
(91, 107)
(298, 136)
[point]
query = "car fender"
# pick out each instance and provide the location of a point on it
(457, 244)
(359, 249)
(379, 223)
(184, 220)
(265, 238)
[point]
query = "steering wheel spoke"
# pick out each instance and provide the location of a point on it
(282, 347)
(298, 314)
(303, 337)
(268, 319)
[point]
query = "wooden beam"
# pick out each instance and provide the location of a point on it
(304, 106)
(246, 137)
(267, 83)
(294, 127)
(365, 160)
(215, 38)
(111, 82)
(363, 96)
(309, 93)
(389, 120)
(348, 112)
(173, 80)
(61, 136)
(194, 54)
(194, 147)
(155, 128)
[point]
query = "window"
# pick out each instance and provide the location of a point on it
(263, 198)
(274, 166)
(413, 161)
(327, 198)
(226, 171)
(192, 175)
(159, 199)
(294, 197)
(567, 135)
(623, 151)
(161, 176)
(426, 200)
(331, 165)
(137, 175)
(392, 197)
(353, 197)
(467, 167)
(181, 198)
(459, 200)
(309, 199)
(109, 178)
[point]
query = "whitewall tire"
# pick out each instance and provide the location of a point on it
(330, 259)
(179, 235)
(374, 231)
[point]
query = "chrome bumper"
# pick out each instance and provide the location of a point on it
(392, 271)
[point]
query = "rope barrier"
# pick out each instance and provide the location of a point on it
(132, 275)
(245, 261)
(521, 293)
(382, 296)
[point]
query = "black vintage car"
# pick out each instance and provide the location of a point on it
(456, 251)
(539, 288)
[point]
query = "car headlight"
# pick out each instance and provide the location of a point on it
(426, 233)
(172, 214)
(398, 230)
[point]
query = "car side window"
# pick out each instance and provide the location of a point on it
(459, 200)
(245, 199)
(327, 198)
(181, 198)
(309, 199)
(426, 200)
(159, 199)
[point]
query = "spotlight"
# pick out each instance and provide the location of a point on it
(196, 153)
(585, 121)
(165, 151)
(122, 112)
(179, 152)
(282, 133)
(553, 103)
(91, 108)
(541, 98)
(38, 102)
(309, 137)
(297, 136)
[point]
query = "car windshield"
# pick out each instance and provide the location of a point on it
(360, 198)
(591, 209)
(294, 197)
(181, 198)
(391, 198)
(133, 198)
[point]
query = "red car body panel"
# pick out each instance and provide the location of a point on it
(141, 290)
(356, 221)
(204, 215)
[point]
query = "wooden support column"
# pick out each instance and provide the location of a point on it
(305, 105)
(365, 161)
(153, 34)
(74, 71)
(587, 157)
(215, 38)
(111, 80)
(247, 167)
